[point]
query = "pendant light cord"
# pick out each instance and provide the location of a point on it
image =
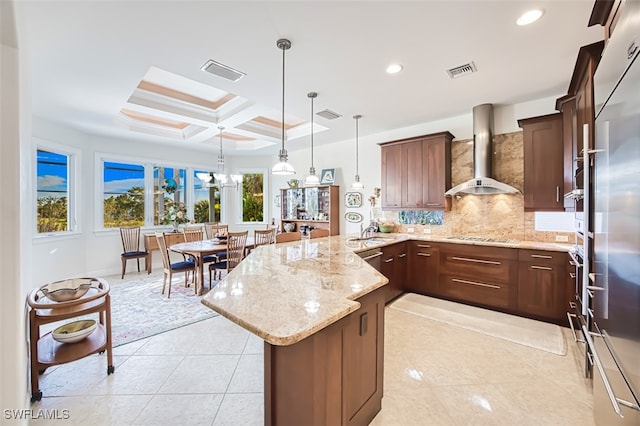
(357, 117)
(282, 149)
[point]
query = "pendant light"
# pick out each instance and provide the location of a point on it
(312, 179)
(221, 176)
(357, 184)
(283, 168)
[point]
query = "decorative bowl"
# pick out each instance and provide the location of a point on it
(74, 331)
(386, 228)
(289, 226)
(65, 290)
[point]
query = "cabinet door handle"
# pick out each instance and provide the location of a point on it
(424, 246)
(388, 260)
(424, 254)
(572, 275)
(541, 256)
(557, 194)
(433, 204)
(402, 255)
(544, 268)
(474, 283)
(467, 259)
(372, 256)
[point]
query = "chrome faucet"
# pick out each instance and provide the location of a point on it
(369, 230)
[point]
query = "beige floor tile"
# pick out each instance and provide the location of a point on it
(201, 374)
(249, 375)
(91, 410)
(130, 348)
(255, 345)
(415, 408)
(246, 409)
(180, 410)
(140, 375)
(77, 378)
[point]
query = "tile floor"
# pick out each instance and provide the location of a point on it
(210, 373)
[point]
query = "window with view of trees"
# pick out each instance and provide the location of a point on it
(169, 191)
(53, 194)
(253, 197)
(123, 194)
(205, 195)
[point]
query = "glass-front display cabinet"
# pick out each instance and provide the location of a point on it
(313, 207)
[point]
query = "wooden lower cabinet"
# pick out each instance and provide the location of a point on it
(480, 275)
(422, 275)
(542, 284)
(333, 377)
(394, 266)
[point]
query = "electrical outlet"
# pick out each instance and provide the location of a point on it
(410, 229)
(562, 239)
(426, 231)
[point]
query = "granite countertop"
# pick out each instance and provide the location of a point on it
(286, 292)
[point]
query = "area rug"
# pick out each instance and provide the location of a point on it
(536, 334)
(139, 310)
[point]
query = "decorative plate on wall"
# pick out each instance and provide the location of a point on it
(353, 217)
(353, 199)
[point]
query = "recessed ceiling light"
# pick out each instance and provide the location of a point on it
(530, 17)
(394, 68)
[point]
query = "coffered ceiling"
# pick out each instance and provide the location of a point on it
(133, 69)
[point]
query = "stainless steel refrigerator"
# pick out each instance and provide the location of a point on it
(615, 281)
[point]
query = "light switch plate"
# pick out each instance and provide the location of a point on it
(410, 229)
(562, 239)
(426, 231)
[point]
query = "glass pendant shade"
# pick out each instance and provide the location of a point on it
(357, 184)
(283, 168)
(312, 179)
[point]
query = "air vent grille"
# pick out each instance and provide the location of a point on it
(461, 70)
(221, 70)
(328, 114)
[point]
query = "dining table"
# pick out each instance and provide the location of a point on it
(202, 248)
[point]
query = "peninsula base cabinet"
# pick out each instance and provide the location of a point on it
(333, 377)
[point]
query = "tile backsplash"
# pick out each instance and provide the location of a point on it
(499, 216)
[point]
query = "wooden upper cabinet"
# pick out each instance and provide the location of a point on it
(412, 182)
(436, 172)
(391, 194)
(543, 163)
(416, 172)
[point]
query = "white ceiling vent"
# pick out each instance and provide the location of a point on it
(461, 70)
(328, 114)
(221, 70)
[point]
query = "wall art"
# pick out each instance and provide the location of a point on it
(353, 199)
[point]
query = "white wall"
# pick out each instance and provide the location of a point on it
(14, 272)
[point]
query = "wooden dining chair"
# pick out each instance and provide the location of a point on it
(130, 236)
(262, 237)
(169, 268)
(215, 230)
(236, 244)
(285, 237)
(319, 233)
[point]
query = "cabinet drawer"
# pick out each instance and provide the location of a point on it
(478, 291)
(542, 257)
(478, 262)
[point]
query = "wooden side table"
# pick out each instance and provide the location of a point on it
(45, 351)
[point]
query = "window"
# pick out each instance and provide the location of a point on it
(253, 197)
(206, 194)
(123, 194)
(53, 192)
(168, 189)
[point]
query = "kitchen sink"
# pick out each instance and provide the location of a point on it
(371, 241)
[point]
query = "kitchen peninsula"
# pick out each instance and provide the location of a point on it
(320, 310)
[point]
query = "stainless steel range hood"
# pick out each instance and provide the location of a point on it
(482, 183)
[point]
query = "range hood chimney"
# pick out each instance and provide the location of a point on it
(482, 182)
